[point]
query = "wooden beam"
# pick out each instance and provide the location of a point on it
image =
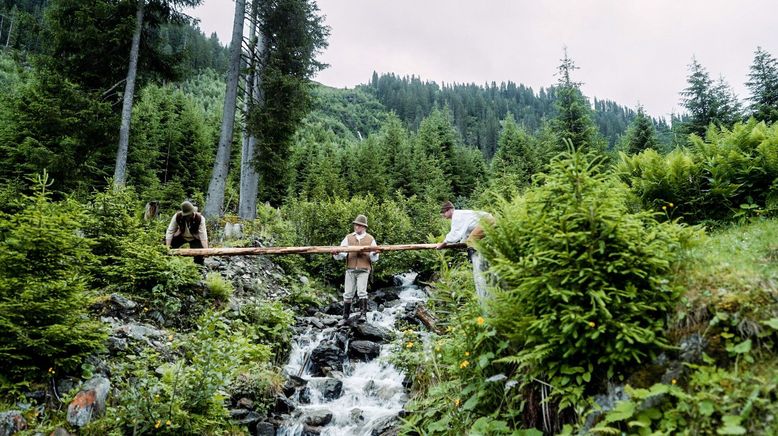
(263, 251)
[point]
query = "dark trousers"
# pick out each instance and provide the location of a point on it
(179, 240)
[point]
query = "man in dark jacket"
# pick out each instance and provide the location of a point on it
(187, 226)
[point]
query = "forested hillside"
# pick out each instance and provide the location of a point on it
(625, 281)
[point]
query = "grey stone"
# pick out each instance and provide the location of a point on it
(138, 332)
(283, 405)
(265, 429)
(372, 332)
(326, 355)
(304, 280)
(59, 431)
(245, 403)
(309, 430)
(251, 419)
(385, 426)
(12, 422)
(331, 388)
(357, 416)
(305, 396)
(89, 402)
(123, 303)
(292, 383)
(238, 413)
(116, 344)
(318, 418)
(67, 384)
(363, 350)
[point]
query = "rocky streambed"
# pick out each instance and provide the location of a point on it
(340, 380)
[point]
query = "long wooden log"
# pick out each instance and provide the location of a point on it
(261, 251)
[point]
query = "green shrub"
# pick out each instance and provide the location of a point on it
(187, 396)
(218, 286)
(729, 174)
(270, 323)
(583, 292)
(43, 265)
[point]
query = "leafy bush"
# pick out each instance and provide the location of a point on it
(270, 323)
(187, 396)
(730, 174)
(583, 292)
(43, 293)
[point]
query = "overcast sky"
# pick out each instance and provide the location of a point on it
(630, 51)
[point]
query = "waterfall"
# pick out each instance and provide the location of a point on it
(365, 397)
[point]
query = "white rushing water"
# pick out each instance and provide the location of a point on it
(372, 392)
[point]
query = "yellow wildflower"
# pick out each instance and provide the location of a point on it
(409, 344)
(592, 324)
(674, 381)
(464, 364)
(467, 353)
(437, 348)
(664, 207)
(457, 402)
(167, 423)
(170, 338)
(671, 205)
(480, 320)
(157, 424)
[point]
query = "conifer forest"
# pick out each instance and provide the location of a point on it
(620, 274)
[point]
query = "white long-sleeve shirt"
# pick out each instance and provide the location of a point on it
(462, 223)
(172, 228)
(344, 243)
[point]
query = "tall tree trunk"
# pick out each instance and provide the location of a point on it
(120, 173)
(249, 177)
(215, 199)
(10, 31)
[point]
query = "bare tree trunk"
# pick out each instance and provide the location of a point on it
(324, 249)
(215, 199)
(120, 173)
(249, 177)
(10, 32)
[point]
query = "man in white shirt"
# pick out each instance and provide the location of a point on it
(358, 267)
(187, 226)
(467, 227)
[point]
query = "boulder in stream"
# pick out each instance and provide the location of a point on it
(292, 383)
(326, 355)
(363, 350)
(331, 388)
(372, 332)
(318, 418)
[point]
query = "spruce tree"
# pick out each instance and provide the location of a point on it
(641, 134)
(43, 321)
(515, 153)
(707, 102)
(763, 85)
(573, 119)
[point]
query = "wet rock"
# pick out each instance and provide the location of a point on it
(335, 308)
(385, 426)
(251, 420)
(304, 280)
(292, 384)
(59, 431)
(309, 430)
(314, 322)
(331, 388)
(363, 350)
(318, 418)
(305, 396)
(326, 355)
(356, 416)
(89, 402)
(385, 295)
(265, 429)
(372, 332)
(283, 405)
(12, 422)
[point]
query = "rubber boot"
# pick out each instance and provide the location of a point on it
(346, 313)
(363, 308)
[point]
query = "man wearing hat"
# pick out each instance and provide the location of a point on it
(466, 226)
(358, 266)
(187, 226)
